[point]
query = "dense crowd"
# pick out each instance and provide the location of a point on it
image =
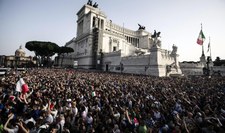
(70, 101)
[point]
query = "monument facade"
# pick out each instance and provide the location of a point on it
(104, 45)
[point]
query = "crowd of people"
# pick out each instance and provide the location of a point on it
(72, 101)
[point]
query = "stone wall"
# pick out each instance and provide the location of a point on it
(135, 64)
(154, 63)
(219, 69)
(191, 68)
(112, 60)
(144, 42)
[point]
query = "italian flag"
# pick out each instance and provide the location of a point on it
(21, 86)
(201, 38)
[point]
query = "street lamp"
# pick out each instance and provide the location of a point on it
(208, 62)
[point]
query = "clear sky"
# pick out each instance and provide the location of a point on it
(179, 22)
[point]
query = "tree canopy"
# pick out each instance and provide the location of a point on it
(44, 50)
(47, 49)
(64, 49)
(41, 48)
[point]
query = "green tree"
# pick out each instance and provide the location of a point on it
(42, 50)
(217, 61)
(64, 50)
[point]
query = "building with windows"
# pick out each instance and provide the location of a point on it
(18, 60)
(104, 45)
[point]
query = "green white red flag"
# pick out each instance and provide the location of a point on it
(201, 38)
(21, 86)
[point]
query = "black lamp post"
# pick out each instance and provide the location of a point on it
(207, 63)
(121, 67)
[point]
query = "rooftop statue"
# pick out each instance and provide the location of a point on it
(95, 5)
(89, 2)
(141, 27)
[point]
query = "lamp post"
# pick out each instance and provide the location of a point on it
(207, 63)
(121, 67)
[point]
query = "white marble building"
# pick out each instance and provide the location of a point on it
(102, 44)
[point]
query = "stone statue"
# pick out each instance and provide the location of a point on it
(174, 55)
(174, 51)
(141, 27)
(89, 2)
(156, 35)
(96, 21)
(95, 5)
(156, 41)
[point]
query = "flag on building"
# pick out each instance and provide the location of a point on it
(208, 47)
(201, 38)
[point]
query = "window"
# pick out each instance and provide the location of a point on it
(93, 23)
(114, 48)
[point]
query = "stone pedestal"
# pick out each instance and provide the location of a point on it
(163, 65)
(156, 68)
(203, 60)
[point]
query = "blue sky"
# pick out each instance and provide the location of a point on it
(179, 22)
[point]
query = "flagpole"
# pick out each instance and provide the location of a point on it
(202, 43)
(202, 50)
(210, 48)
(123, 29)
